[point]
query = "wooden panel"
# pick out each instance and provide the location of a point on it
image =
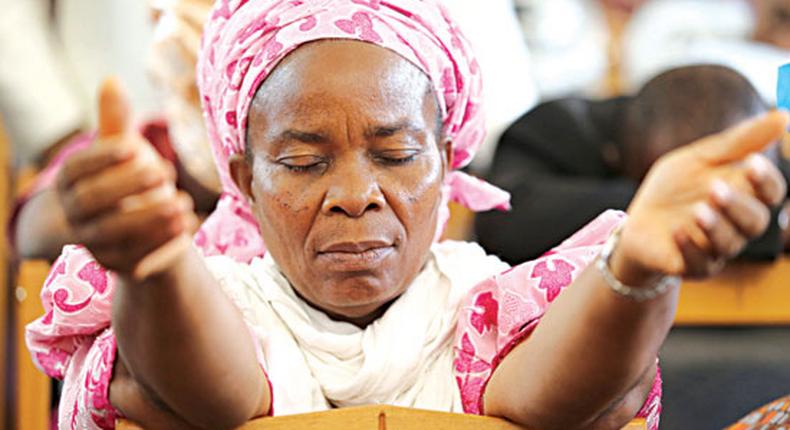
(33, 387)
(744, 293)
(460, 224)
(381, 418)
(5, 203)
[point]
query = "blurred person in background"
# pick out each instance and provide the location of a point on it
(54, 54)
(508, 68)
(38, 228)
(752, 37)
(568, 159)
(567, 40)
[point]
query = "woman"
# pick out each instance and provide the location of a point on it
(337, 125)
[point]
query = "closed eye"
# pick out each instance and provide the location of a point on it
(302, 163)
(398, 157)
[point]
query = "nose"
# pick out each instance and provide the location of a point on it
(353, 192)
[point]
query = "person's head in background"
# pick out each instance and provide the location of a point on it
(680, 106)
(772, 22)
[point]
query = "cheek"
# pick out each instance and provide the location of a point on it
(284, 208)
(417, 194)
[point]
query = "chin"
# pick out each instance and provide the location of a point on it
(358, 296)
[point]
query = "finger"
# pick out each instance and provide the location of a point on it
(748, 215)
(114, 109)
(697, 261)
(90, 161)
(127, 255)
(144, 227)
(726, 241)
(750, 136)
(107, 189)
(767, 180)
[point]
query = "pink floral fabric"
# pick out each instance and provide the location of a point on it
(243, 41)
(502, 311)
(73, 341)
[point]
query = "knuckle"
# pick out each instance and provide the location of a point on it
(758, 223)
(779, 191)
(169, 209)
(81, 197)
(735, 247)
(175, 227)
(150, 175)
(87, 234)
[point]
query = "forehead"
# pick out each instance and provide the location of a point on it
(319, 77)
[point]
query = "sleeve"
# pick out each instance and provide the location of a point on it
(72, 341)
(45, 179)
(502, 311)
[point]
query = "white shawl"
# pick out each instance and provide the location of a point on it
(404, 358)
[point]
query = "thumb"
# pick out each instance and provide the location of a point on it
(114, 110)
(738, 142)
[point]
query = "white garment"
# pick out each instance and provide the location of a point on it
(104, 38)
(36, 101)
(508, 87)
(50, 70)
(404, 358)
(568, 41)
(671, 33)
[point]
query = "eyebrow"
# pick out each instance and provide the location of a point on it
(301, 136)
(389, 130)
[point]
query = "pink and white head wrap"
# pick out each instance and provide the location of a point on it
(244, 40)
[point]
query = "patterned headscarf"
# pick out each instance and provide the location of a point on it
(244, 40)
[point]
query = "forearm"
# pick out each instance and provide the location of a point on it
(129, 398)
(184, 341)
(41, 229)
(589, 350)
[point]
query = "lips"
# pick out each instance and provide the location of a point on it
(355, 256)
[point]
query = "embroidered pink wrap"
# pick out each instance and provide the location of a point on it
(243, 41)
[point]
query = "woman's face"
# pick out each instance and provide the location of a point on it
(344, 173)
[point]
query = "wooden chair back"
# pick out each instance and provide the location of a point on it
(381, 417)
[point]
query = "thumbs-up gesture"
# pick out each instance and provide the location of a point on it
(120, 198)
(700, 204)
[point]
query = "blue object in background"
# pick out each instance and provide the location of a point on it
(783, 88)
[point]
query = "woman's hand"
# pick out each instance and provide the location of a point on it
(700, 204)
(119, 195)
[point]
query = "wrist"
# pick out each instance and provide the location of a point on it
(162, 268)
(628, 269)
(650, 283)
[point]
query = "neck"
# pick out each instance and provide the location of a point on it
(356, 317)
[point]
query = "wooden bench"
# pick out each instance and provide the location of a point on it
(745, 293)
(381, 417)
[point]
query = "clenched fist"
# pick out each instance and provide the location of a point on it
(120, 199)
